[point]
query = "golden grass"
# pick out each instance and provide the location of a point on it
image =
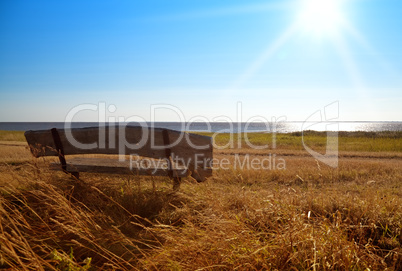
(307, 217)
(14, 152)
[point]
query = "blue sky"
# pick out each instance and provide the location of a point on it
(203, 57)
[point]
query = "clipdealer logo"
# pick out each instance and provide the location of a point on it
(268, 161)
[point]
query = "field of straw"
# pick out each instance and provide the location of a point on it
(306, 216)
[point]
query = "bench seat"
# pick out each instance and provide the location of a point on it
(114, 166)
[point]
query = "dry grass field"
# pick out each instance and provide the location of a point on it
(306, 216)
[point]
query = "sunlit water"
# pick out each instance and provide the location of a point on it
(280, 127)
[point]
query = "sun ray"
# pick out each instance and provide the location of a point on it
(352, 69)
(328, 16)
(356, 34)
(223, 11)
(350, 65)
(263, 58)
(325, 20)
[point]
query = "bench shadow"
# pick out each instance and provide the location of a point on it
(129, 205)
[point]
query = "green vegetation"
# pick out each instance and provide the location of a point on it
(348, 141)
(12, 135)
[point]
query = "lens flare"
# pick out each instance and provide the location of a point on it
(321, 17)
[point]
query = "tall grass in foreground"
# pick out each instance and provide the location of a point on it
(307, 217)
(245, 220)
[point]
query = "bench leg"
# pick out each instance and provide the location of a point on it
(176, 183)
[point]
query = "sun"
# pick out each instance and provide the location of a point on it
(320, 17)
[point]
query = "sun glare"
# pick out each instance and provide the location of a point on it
(320, 17)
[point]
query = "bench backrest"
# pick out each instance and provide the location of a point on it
(192, 150)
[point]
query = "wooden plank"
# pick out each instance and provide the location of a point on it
(116, 139)
(112, 166)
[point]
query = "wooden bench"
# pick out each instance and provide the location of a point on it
(165, 152)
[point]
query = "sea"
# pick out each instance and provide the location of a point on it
(225, 127)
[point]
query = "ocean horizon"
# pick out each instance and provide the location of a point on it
(225, 127)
